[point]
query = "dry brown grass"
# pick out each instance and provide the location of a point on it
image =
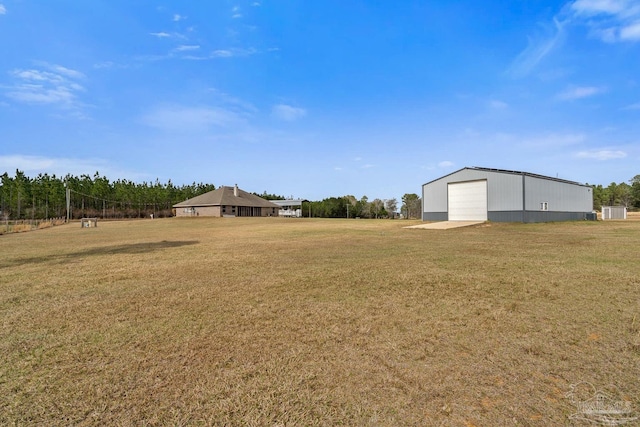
(284, 322)
(21, 228)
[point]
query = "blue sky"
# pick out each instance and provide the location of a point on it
(319, 99)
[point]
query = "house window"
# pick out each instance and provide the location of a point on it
(544, 206)
(224, 209)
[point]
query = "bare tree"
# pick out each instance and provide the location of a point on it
(391, 205)
(376, 207)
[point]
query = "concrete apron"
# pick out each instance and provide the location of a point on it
(445, 225)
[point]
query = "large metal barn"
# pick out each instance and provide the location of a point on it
(482, 194)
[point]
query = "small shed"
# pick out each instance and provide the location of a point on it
(89, 222)
(614, 212)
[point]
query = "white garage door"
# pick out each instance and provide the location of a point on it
(468, 201)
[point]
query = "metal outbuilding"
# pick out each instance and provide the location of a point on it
(483, 194)
(614, 212)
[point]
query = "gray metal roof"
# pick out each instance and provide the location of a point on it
(224, 196)
(478, 168)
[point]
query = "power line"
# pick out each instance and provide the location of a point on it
(130, 203)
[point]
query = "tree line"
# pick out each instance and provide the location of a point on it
(44, 196)
(621, 194)
(351, 207)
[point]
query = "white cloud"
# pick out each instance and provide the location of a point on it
(184, 48)
(445, 164)
(579, 92)
(235, 12)
(58, 86)
(221, 53)
(537, 49)
(3, 10)
(37, 75)
(595, 7)
(367, 166)
(103, 64)
(229, 53)
(630, 32)
(161, 34)
(610, 20)
(183, 118)
(25, 163)
(67, 72)
(287, 112)
(232, 102)
(601, 154)
(36, 94)
(61, 166)
(178, 17)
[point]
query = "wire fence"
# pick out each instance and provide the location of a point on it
(18, 226)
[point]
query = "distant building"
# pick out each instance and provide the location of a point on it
(482, 194)
(226, 202)
(289, 208)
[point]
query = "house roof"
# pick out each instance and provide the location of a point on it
(224, 196)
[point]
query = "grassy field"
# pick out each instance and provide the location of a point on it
(284, 322)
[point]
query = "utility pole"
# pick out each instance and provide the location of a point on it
(68, 195)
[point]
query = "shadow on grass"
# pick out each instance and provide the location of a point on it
(128, 249)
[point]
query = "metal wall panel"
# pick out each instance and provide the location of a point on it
(434, 216)
(559, 196)
(434, 197)
(504, 216)
(504, 190)
(537, 216)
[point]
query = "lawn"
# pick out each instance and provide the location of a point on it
(291, 322)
